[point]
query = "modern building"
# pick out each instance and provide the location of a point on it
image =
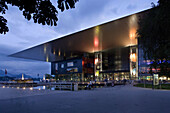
(109, 50)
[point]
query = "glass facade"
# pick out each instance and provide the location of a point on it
(133, 62)
(113, 64)
(115, 59)
(68, 70)
(74, 77)
(88, 67)
(144, 67)
(115, 76)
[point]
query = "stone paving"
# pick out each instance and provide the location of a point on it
(118, 99)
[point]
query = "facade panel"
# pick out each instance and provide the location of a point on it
(67, 66)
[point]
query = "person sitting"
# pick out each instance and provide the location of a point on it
(89, 86)
(105, 81)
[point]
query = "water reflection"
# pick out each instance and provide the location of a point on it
(47, 87)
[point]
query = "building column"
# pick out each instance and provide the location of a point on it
(97, 64)
(133, 62)
(82, 77)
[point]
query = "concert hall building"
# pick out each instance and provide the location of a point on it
(110, 50)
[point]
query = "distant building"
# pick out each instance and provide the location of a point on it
(23, 80)
(22, 77)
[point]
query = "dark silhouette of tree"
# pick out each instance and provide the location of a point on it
(48, 76)
(154, 36)
(41, 11)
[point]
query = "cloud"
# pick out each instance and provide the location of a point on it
(114, 10)
(131, 7)
(25, 33)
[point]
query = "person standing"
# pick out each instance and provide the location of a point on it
(95, 83)
(5, 71)
(113, 83)
(105, 81)
(124, 81)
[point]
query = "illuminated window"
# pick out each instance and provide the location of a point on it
(96, 60)
(69, 64)
(133, 57)
(62, 65)
(72, 70)
(56, 66)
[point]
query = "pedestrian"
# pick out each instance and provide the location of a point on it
(113, 83)
(89, 86)
(105, 81)
(124, 81)
(95, 81)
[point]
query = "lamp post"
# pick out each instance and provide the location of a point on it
(152, 81)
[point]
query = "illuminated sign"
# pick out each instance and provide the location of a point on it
(97, 73)
(155, 79)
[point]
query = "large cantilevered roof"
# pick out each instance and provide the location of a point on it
(117, 33)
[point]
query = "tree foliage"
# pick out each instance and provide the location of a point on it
(154, 36)
(48, 76)
(41, 11)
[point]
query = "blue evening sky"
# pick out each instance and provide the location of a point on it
(24, 34)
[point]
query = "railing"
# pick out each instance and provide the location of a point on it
(60, 85)
(64, 85)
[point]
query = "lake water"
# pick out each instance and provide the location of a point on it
(47, 87)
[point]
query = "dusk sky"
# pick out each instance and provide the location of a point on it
(24, 34)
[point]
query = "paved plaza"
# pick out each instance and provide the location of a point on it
(118, 99)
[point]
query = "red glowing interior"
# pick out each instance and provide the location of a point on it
(96, 42)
